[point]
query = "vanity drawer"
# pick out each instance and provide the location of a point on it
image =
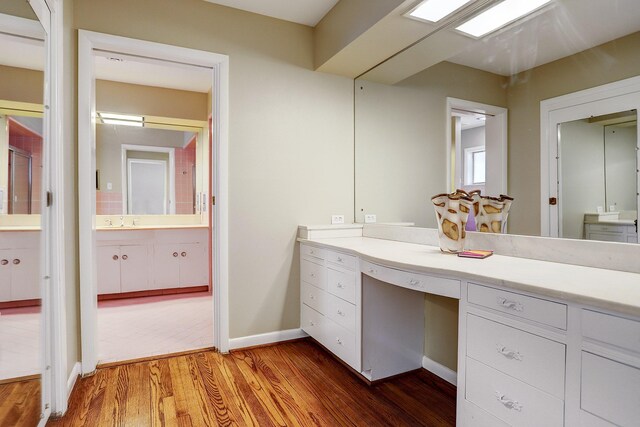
(313, 273)
(623, 333)
(347, 261)
(340, 342)
(312, 323)
(509, 399)
(314, 298)
(342, 312)
(530, 308)
(418, 282)
(312, 251)
(342, 284)
(610, 390)
(607, 228)
(535, 360)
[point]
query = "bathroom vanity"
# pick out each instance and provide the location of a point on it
(152, 260)
(19, 266)
(539, 342)
(611, 227)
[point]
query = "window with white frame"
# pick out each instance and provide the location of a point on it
(474, 165)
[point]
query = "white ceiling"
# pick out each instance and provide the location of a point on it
(569, 27)
(151, 72)
(306, 12)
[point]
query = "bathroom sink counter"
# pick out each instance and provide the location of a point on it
(150, 227)
(598, 287)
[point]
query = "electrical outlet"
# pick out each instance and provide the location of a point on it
(369, 218)
(337, 219)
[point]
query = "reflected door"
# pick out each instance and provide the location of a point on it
(147, 187)
(19, 182)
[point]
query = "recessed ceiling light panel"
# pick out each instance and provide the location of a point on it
(499, 16)
(121, 119)
(435, 10)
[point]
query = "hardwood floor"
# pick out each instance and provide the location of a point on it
(291, 384)
(20, 403)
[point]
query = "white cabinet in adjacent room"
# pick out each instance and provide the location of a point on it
(122, 268)
(20, 266)
(180, 265)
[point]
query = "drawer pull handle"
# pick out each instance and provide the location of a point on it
(312, 297)
(509, 353)
(125, 257)
(339, 341)
(183, 254)
(311, 251)
(175, 254)
(340, 259)
(16, 261)
(508, 403)
(371, 270)
(414, 282)
(340, 313)
(115, 257)
(340, 285)
(4, 262)
(510, 304)
(312, 275)
(311, 323)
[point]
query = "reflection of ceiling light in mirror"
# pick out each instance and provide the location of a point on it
(435, 10)
(121, 119)
(500, 15)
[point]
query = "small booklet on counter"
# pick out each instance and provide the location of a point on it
(475, 254)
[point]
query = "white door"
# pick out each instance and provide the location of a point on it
(134, 268)
(25, 277)
(5, 275)
(147, 187)
(108, 260)
(166, 266)
(194, 265)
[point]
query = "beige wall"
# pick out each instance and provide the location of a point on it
(291, 141)
(20, 84)
(19, 8)
(116, 97)
(607, 63)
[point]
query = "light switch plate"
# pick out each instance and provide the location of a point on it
(369, 218)
(337, 219)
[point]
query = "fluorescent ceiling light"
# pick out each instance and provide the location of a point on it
(121, 119)
(500, 15)
(435, 10)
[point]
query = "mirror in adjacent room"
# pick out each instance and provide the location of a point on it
(152, 143)
(23, 157)
(597, 178)
(408, 128)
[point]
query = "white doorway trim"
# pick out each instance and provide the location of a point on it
(496, 157)
(172, 173)
(612, 97)
(219, 64)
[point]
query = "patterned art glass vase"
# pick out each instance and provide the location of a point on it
(490, 212)
(452, 211)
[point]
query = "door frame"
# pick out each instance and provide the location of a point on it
(172, 173)
(612, 97)
(219, 64)
(500, 156)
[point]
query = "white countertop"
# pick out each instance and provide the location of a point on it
(147, 227)
(607, 289)
(612, 222)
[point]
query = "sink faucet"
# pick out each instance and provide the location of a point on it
(121, 221)
(108, 222)
(135, 221)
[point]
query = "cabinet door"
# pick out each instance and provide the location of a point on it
(166, 266)
(25, 274)
(108, 261)
(194, 265)
(134, 268)
(5, 275)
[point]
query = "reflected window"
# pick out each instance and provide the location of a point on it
(474, 166)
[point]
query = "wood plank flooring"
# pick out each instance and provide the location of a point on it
(20, 403)
(291, 384)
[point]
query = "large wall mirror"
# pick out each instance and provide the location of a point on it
(460, 110)
(24, 177)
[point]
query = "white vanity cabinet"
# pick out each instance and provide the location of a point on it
(19, 266)
(512, 358)
(623, 233)
(328, 295)
(151, 260)
(122, 268)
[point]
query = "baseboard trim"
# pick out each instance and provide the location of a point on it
(73, 377)
(440, 370)
(268, 338)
